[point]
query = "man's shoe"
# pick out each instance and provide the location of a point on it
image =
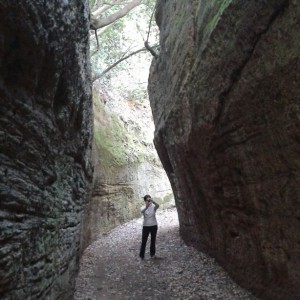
(154, 257)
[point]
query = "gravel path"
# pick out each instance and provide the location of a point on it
(111, 269)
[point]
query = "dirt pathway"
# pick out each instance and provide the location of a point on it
(111, 269)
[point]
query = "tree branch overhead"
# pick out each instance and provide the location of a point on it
(97, 22)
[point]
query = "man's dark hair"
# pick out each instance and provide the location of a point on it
(146, 197)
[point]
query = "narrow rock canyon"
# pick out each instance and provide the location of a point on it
(225, 99)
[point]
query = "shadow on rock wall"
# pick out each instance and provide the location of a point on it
(225, 99)
(46, 129)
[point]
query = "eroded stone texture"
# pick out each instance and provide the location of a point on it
(225, 99)
(46, 128)
(126, 165)
(117, 194)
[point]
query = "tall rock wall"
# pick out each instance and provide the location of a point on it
(225, 95)
(126, 165)
(45, 138)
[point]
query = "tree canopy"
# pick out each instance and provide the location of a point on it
(123, 34)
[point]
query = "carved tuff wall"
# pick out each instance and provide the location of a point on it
(46, 126)
(225, 98)
(126, 165)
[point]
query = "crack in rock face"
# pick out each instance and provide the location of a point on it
(46, 130)
(225, 99)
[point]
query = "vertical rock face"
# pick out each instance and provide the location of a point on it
(225, 99)
(45, 134)
(117, 194)
(126, 165)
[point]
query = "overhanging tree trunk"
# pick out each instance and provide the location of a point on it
(102, 22)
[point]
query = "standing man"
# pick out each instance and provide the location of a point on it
(149, 225)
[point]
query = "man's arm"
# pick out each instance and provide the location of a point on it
(144, 209)
(156, 204)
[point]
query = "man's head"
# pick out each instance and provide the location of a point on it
(147, 198)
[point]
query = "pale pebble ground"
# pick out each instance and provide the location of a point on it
(110, 268)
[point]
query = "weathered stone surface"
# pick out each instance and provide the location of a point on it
(117, 197)
(225, 99)
(45, 137)
(126, 165)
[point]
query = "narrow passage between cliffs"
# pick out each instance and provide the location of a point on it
(110, 268)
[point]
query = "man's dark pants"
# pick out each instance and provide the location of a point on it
(146, 231)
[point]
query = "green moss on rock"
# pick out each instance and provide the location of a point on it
(220, 5)
(168, 198)
(116, 145)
